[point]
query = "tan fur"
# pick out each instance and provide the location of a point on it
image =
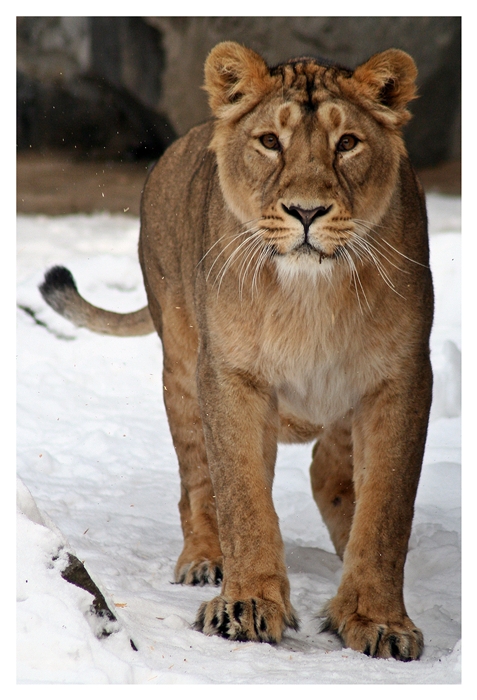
(269, 337)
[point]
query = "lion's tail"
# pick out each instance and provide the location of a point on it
(59, 291)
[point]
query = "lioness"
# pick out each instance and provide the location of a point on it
(284, 251)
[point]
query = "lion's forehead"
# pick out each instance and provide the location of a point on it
(307, 78)
(310, 94)
(287, 116)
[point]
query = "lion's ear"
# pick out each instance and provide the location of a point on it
(235, 78)
(388, 80)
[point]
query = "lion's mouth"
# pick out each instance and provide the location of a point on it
(302, 250)
(306, 248)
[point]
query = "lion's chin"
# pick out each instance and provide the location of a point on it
(304, 261)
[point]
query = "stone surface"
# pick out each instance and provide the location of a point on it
(128, 85)
(434, 42)
(91, 85)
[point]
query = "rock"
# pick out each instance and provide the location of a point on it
(127, 85)
(90, 85)
(433, 135)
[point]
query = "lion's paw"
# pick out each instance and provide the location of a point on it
(253, 619)
(399, 640)
(200, 572)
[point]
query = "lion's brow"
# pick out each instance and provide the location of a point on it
(306, 76)
(317, 60)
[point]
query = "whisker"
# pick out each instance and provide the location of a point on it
(248, 259)
(250, 225)
(229, 235)
(377, 243)
(355, 278)
(264, 255)
(368, 224)
(349, 261)
(377, 247)
(235, 236)
(416, 262)
(242, 249)
(237, 252)
(371, 228)
(365, 248)
(254, 258)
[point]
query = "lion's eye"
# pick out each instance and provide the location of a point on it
(347, 143)
(270, 141)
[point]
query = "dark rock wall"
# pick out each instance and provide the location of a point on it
(126, 86)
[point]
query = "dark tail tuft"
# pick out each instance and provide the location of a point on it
(56, 278)
(59, 291)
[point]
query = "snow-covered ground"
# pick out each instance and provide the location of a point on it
(98, 478)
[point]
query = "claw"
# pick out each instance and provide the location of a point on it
(244, 620)
(199, 574)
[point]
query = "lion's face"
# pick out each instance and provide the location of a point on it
(308, 155)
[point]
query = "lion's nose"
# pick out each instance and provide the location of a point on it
(306, 216)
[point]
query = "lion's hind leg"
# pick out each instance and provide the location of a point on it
(200, 561)
(331, 474)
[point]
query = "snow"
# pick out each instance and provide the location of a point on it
(98, 478)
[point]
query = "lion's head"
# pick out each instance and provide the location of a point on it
(308, 153)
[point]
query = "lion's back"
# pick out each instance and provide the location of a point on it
(174, 203)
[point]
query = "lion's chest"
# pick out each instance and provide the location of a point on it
(318, 359)
(316, 380)
(319, 395)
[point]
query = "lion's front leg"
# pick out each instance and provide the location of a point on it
(240, 425)
(368, 612)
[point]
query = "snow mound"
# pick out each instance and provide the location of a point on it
(98, 481)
